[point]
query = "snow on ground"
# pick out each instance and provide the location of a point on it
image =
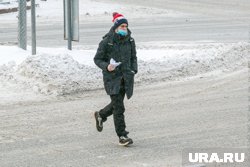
(61, 72)
(88, 9)
(57, 71)
(8, 4)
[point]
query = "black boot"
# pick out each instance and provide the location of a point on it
(99, 121)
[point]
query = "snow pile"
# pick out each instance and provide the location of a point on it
(189, 60)
(53, 74)
(60, 72)
(12, 54)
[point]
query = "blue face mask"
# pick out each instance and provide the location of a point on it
(122, 32)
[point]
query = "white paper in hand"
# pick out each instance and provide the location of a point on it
(114, 63)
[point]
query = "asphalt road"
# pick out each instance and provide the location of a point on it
(187, 29)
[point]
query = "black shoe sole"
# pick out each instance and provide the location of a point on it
(99, 129)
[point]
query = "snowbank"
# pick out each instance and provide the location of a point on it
(60, 72)
(88, 9)
(184, 60)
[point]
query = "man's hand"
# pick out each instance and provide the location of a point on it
(111, 67)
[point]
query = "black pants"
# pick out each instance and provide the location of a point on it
(116, 107)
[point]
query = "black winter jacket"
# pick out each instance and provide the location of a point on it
(121, 50)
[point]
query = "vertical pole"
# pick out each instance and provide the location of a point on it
(69, 25)
(22, 24)
(33, 26)
(75, 20)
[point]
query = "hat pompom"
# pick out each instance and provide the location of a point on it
(117, 16)
(114, 13)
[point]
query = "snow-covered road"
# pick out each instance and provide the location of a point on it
(191, 91)
(144, 29)
(148, 23)
(163, 119)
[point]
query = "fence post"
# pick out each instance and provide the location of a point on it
(22, 25)
(33, 26)
(69, 25)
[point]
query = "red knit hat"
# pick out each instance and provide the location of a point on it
(118, 19)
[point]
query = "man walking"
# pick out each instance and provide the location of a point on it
(116, 56)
